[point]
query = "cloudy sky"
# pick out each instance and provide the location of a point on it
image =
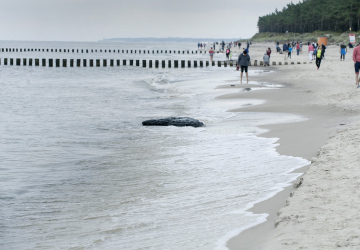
(92, 20)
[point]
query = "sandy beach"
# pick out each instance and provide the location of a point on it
(322, 212)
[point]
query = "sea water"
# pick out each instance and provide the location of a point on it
(79, 171)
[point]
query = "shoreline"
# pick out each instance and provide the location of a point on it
(323, 122)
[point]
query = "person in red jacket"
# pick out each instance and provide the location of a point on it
(268, 52)
(356, 59)
(297, 48)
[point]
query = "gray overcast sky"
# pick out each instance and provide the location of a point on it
(92, 20)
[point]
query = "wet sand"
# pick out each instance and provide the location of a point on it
(328, 98)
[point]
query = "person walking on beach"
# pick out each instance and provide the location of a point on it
(266, 59)
(311, 52)
(343, 51)
(211, 53)
(268, 52)
(290, 50)
(356, 59)
(227, 53)
(285, 49)
(319, 55)
(243, 62)
(297, 48)
(248, 45)
(323, 48)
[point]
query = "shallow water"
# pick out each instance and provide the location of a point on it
(80, 171)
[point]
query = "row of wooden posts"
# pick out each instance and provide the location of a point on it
(101, 51)
(117, 62)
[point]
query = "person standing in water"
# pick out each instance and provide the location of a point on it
(343, 51)
(243, 63)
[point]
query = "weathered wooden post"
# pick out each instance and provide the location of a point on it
(179, 52)
(213, 63)
(43, 62)
(57, 62)
(169, 64)
(11, 61)
(161, 52)
(124, 62)
(261, 63)
(87, 51)
(117, 62)
(59, 50)
(131, 62)
(195, 64)
(24, 61)
(225, 63)
(231, 63)
(165, 51)
(137, 63)
(298, 62)
(250, 63)
(84, 62)
(97, 62)
(50, 62)
(111, 62)
(37, 62)
(182, 63)
(292, 63)
(286, 63)
(255, 63)
(201, 64)
(144, 63)
(55, 50)
(71, 63)
(163, 64)
(157, 52)
(273, 63)
(5, 61)
(18, 61)
(176, 64)
(91, 62)
(189, 64)
(156, 63)
(64, 63)
(78, 62)
(169, 51)
(104, 62)
(150, 63)
(219, 63)
(280, 63)
(207, 63)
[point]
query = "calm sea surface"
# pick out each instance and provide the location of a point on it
(79, 171)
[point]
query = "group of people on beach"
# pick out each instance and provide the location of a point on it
(316, 52)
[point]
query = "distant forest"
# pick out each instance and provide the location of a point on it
(311, 15)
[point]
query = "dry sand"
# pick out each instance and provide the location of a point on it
(323, 212)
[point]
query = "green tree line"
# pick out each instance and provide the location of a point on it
(311, 15)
